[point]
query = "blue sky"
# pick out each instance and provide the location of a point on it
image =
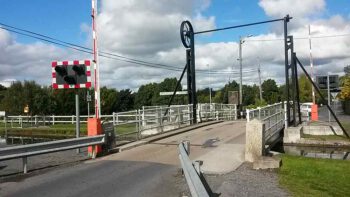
(62, 19)
(149, 30)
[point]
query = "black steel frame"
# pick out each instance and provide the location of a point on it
(187, 36)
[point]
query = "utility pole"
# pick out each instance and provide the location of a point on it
(329, 98)
(259, 72)
(240, 74)
(311, 67)
(209, 85)
(241, 41)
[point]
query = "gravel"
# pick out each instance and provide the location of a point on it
(245, 181)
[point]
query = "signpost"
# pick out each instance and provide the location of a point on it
(3, 114)
(331, 84)
(72, 74)
(171, 93)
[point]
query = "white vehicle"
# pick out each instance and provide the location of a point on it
(305, 109)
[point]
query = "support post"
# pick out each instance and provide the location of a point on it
(197, 166)
(25, 167)
(247, 115)
(286, 20)
(297, 87)
(187, 146)
(189, 79)
(77, 119)
(329, 97)
(193, 79)
(5, 128)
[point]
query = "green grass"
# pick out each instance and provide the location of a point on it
(326, 137)
(315, 177)
(60, 129)
(346, 126)
(126, 128)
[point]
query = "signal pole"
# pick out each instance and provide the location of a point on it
(95, 60)
(311, 67)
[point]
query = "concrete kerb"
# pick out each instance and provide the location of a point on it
(162, 136)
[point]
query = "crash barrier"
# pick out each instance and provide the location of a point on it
(25, 151)
(194, 177)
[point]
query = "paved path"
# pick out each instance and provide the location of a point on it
(148, 170)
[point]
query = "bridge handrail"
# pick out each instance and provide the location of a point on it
(192, 174)
(24, 151)
(250, 113)
(142, 122)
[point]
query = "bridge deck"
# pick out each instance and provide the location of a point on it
(149, 170)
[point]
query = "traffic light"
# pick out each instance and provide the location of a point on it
(71, 74)
(79, 69)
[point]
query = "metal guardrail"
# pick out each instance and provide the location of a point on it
(25, 151)
(192, 172)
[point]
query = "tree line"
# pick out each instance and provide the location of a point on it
(43, 100)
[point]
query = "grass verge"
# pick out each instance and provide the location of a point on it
(315, 177)
(326, 137)
(60, 130)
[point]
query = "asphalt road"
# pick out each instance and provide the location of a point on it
(149, 170)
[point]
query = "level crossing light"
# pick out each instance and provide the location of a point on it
(241, 41)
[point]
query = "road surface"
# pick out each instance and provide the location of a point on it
(148, 170)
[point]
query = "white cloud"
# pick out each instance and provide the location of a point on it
(29, 61)
(149, 30)
(296, 8)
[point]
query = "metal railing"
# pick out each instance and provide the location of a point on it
(272, 116)
(138, 124)
(216, 111)
(25, 151)
(208, 111)
(263, 112)
(150, 121)
(193, 174)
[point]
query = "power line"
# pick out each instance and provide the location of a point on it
(298, 38)
(104, 54)
(89, 51)
(76, 47)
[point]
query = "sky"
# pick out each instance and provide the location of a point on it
(148, 30)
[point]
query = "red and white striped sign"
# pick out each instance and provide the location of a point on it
(71, 63)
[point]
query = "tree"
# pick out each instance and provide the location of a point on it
(125, 100)
(203, 95)
(282, 93)
(305, 89)
(230, 86)
(270, 91)
(250, 94)
(108, 100)
(2, 95)
(145, 95)
(345, 91)
(167, 85)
